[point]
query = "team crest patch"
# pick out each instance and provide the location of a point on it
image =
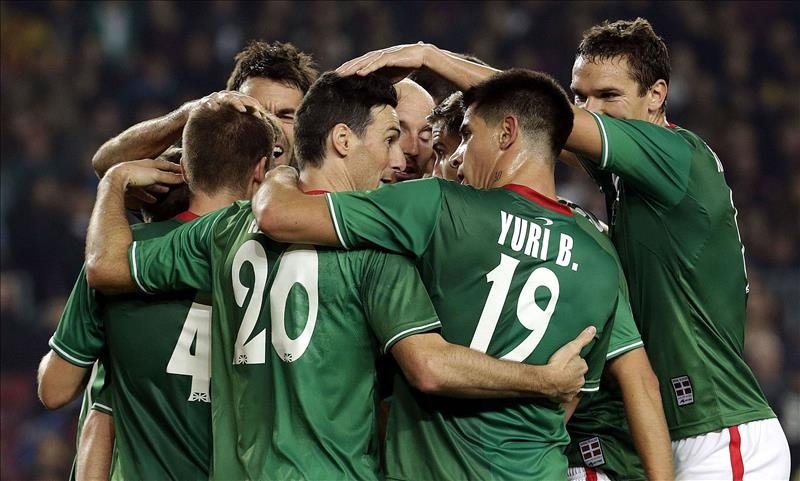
(592, 452)
(683, 390)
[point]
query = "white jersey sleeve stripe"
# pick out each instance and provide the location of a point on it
(335, 221)
(135, 269)
(408, 332)
(604, 158)
(624, 349)
(66, 355)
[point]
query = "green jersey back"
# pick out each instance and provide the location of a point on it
(511, 273)
(598, 430)
(297, 332)
(158, 363)
(675, 229)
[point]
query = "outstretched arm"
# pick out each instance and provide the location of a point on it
(642, 400)
(96, 446)
(149, 139)
(435, 366)
(403, 58)
(286, 214)
(109, 235)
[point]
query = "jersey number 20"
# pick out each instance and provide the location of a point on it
(298, 265)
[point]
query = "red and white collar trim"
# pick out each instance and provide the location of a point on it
(316, 192)
(539, 199)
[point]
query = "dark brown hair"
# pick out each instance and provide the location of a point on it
(540, 104)
(450, 112)
(220, 148)
(278, 61)
(636, 42)
(337, 100)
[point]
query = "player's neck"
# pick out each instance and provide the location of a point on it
(332, 176)
(658, 118)
(201, 204)
(529, 169)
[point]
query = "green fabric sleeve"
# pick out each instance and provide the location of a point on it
(395, 299)
(650, 158)
(624, 333)
(79, 337)
(596, 357)
(400, 218)
(179, 260)
(101, 389)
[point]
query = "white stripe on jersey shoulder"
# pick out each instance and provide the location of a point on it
(624, 349)
(590, 389)
(409, 332)
(135, 271)
(63, 353)
(335, 222)
(604, 159)
(102, 408)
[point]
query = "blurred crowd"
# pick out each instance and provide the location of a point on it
(74, 74)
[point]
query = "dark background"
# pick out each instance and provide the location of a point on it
(74, 74)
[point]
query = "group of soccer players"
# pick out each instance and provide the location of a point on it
(244, 332)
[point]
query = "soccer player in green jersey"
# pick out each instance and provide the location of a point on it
(296, 330)
(674, 225)
(511, 271)
(157, 349)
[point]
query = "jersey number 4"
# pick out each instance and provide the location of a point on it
(194, 362)
(530, 315)
(298, 265)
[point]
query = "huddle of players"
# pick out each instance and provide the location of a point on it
(282, 412)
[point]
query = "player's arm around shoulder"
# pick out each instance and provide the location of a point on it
(435, 366)
(285, 214)
(109, 235)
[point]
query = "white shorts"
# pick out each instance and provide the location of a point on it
(586, 474)
(754, 451)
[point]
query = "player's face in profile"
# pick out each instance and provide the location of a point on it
(281, 100)
(378, 149)
(444, 146)
(605, 86)
(478, 151)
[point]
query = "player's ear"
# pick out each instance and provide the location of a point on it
(341, 139)
(260, 169)
(658, 95)
(509, 131)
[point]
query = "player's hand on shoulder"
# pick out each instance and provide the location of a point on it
(567, 368)
(397, 62)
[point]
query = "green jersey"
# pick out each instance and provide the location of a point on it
(598, 430)
(674, 226)
(157, 358)
(297, 331)
(511, 273)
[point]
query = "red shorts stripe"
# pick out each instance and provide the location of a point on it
(591, 474)
(735, 447)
